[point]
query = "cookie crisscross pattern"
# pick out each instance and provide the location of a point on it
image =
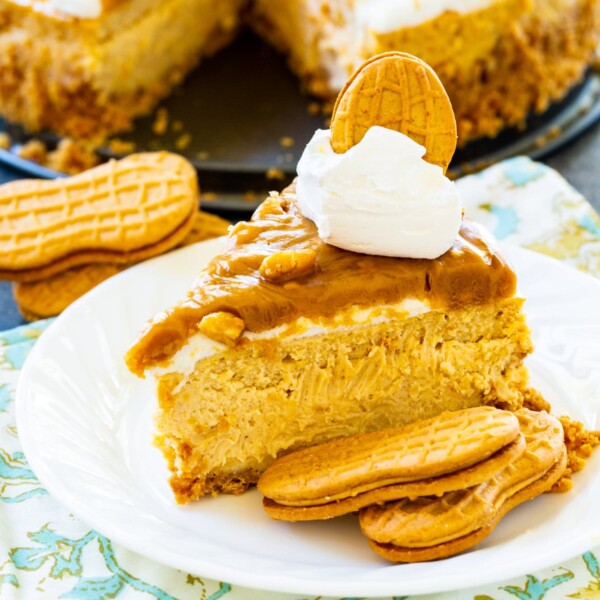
(400, 93)
(429, 448)
(119, 207)
(51, 295)
(429, 521)
(325, 508)
(541, 485)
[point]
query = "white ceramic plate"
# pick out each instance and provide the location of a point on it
(85, 424)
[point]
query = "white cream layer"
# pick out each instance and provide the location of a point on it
(379, 15)
(199, 346)
(384, 16)
(83, 9)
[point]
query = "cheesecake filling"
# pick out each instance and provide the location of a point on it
(380, 197)
(200, 346)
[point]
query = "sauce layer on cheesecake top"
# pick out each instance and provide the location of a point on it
(276, 269)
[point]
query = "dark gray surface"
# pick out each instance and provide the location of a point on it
(579, 163)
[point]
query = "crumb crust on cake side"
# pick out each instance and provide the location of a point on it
(55, 75)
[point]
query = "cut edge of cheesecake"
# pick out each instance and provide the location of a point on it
(222, 425)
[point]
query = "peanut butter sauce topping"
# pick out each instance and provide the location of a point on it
(276, 268)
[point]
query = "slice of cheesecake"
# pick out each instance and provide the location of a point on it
(86, 68)
(285, 341)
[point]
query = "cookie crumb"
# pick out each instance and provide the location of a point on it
(314, 109)
(533, 400)
(250, 196)
(183, 141)
(121, 147)
(161, 122)
(275, 174)
(580, 444)
(34, 150)
(551, 134)
(71, 157)
(5, 140)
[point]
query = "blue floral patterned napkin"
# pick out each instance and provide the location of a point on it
(45, 552)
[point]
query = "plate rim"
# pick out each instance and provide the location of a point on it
(366, 587)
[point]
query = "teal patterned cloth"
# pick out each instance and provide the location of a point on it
(48, 553)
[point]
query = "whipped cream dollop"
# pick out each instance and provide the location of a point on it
(84, 9)
(380, 197)
(388, 15)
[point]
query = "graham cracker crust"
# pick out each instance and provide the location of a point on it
(537, 63)
(66, 101)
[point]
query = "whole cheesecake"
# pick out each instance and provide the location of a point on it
(87, 68)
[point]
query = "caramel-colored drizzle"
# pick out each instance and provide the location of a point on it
(276, 269)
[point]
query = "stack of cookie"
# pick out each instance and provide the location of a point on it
(60, 238)
(428, 490)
